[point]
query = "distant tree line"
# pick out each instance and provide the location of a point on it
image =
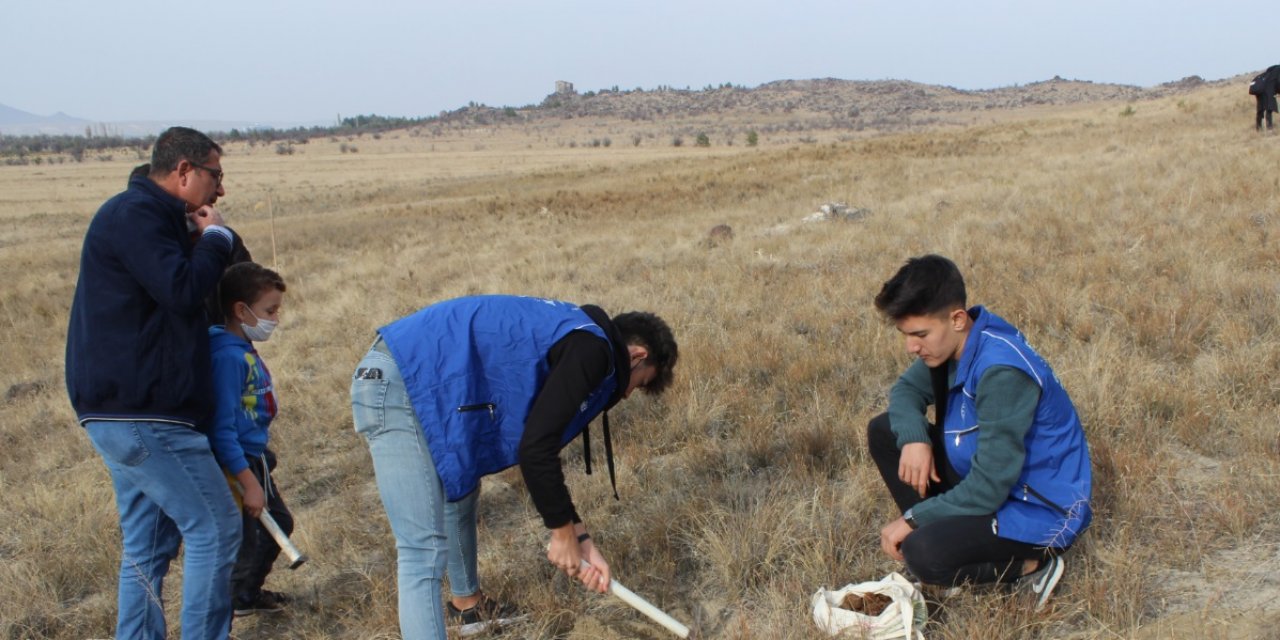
(18, 149)
(23, 149)
(29, 149)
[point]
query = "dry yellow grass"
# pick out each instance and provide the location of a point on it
(1137, 252)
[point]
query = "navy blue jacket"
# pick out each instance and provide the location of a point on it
(138, 342)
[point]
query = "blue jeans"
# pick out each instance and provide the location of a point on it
(432, 534)
(169, 489)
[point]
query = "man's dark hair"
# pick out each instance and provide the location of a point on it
(923, 286)
(245, 282)
(177, 144)
(647, 330)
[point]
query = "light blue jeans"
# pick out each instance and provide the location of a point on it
(432, 534)
(169, 489)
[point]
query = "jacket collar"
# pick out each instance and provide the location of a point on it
(149, 186)
(972, 344)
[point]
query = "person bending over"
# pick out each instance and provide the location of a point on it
(469, 387)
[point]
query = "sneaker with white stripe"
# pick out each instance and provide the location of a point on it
(1041, 582)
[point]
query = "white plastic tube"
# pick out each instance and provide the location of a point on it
(640, 604)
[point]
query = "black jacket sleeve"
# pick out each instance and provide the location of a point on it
(579, 363)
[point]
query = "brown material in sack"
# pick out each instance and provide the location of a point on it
(872, 604)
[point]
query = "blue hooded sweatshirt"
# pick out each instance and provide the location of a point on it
(244, 400)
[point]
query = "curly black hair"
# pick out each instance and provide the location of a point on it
(647, 330)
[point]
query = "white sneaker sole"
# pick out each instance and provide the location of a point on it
(476, 628)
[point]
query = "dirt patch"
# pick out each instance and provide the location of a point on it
(1233, 593)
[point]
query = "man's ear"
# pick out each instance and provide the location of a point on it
(184, 169)
(639, 353)
(957, 319)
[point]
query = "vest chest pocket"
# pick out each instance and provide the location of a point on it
(483, 406)
(1027, 490)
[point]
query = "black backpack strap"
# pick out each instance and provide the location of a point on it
(608, 456)
(586, 448)
(608, 452)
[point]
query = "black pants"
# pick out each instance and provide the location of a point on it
(258, 550)
(950, 551)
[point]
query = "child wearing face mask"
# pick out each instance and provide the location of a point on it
(250, 296)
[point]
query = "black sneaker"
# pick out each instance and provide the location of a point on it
(487, 615)
(1040, 583)
(264, 601)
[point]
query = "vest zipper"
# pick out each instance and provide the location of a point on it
(960, 432)
(477, 407)
(1026, 488)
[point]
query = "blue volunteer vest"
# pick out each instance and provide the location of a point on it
(473, 367)
(1049, 504)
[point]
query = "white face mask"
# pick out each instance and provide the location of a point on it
(260, 332)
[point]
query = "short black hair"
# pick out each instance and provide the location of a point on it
(647, 330)
(177, 144)
(245, 282)
(925, 285)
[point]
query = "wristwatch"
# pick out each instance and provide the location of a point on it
(910, 519)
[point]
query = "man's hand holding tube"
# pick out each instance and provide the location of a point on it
(567, 554)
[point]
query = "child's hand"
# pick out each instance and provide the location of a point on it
(254, 499)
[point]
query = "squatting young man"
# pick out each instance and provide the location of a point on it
(999, 487)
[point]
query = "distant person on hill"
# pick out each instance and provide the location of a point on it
(468, 387)
(998, 488)
(239, 253)
(1264, 87)
(244, 406)
(139, 378)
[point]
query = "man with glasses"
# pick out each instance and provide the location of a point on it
(138, 375)
(239, 252)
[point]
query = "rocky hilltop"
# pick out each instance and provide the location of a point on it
(820, 103)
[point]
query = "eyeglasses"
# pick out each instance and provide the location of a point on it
(216, 173)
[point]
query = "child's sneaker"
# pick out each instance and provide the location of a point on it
(488, 614)
(264, 601)
(1041, 582)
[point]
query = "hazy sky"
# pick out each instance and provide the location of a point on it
(290, 62)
